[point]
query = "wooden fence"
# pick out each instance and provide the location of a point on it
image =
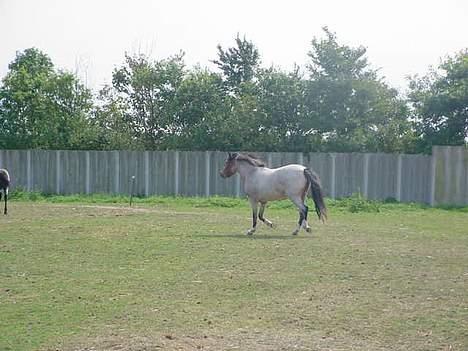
(439, 178)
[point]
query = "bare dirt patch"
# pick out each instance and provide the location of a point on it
(241, 340)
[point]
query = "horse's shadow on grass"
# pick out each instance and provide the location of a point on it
(254, 236)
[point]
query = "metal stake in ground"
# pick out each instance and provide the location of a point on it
(132, 185)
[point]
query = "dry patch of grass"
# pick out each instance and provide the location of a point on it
(211, 341)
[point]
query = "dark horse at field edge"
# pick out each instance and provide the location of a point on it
(4, 185)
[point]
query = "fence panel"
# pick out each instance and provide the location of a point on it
(440, 178)
(450, 175)
(322, 164)
(382, 176)
(162, 166)
(192, 176)
(415, 178)
(349, 174)
(222, 186)
(15, 161)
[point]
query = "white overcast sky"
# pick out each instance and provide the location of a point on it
(402, 36)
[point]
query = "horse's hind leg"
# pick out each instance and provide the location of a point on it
(303, 212)
(305, 225)
(260, 215)
(5, 211)
(5, 208)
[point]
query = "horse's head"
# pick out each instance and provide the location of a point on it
(230, 165)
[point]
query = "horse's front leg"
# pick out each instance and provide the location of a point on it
(254, 205)
(260, 215)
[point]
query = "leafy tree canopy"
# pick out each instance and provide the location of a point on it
(238, 64)
(41, 107)
(440, 103)
(337, 103)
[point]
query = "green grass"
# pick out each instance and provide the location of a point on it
(354, 204)
(90, 273)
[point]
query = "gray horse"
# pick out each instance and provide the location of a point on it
(263, 184)
(4, 185)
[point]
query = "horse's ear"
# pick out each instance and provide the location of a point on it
(232, 156)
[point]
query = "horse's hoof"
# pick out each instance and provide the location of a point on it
(295, 232)
(269, 224)
(308, 230)
(250, 232)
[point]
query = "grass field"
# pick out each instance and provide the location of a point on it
(179, 274)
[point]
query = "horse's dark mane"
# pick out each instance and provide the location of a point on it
(251, 159)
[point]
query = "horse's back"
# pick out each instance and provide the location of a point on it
(291, 168)
(291, 175)
(4, 178)
(277, 183)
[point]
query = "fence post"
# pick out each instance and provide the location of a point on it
(176, 175)
(117, 172)
(447, 173)
(398, 184)
(88, 171)
(459, 177)
(238, 185)
(432, 178)
(28, 171)
(207, 173)
(58, 172)
(146, 173)
(366, 176)
(333, 181)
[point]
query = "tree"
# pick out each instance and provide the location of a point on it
(348, 104)
(109, 118)
(149, 89)
(210, 119)
(440, 103)
(281, 100)
(238, 64)
(202, 111)
(41, 107)
(338, 62)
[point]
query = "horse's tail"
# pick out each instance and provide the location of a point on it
(317, 195)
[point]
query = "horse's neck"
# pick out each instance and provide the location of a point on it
(246, 170)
